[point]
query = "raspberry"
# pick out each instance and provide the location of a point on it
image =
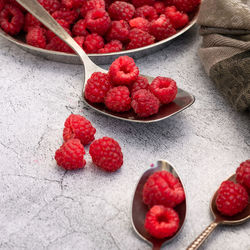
(186, 5)
(97, 87)
(112, 46)
(119, 30)
(50, 5)
(78, 127)
(93, 43)
(70, 4)
(2, 3)
(169, 2)
(159, 7)
(139, 3)
(36, 37)
(16, 4)
(90, 5)
(162, 188)
(147, 12)
(11, 19)
(140, 83)
(243, 174)
(106, 153)
(139, 38)
(70, 155)
(30, 22)
(80, 40)
(231, 199)
(117, 99)
(164, 89)
(121, 11)
(68, 15)
(98, 21)
(140, 23)
(123, 71)
(161, 222)
(161, 28)
(79, 28)
(177, 19)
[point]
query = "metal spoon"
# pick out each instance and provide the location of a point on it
(139, 209)
(220, 219)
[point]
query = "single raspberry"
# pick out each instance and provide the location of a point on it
(162, 188)
(97, 87)
(79, 28)
(177, 18)
(161, 222)
(232, 198)
(139, 23)
(161, 28)
(121, 11)
(147, 12)
(139, 3)
(30, 22)
(112, 46)
(63, 23)
(90, 5)
(68, 15)
(80, 40)
(106, 153)
(93, 43)
(50, 5)
(78, 127)
(139, 38)
(164, 89)
(159, 7)
(123, 71)
(36, 37)
(119, 30)
(11, 19)
(140, 83)
(70, 4)
(98, 21)
(70, 155)
(243, 174)
(186, 5)
(118, 100)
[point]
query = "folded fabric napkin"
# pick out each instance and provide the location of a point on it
(225, 50)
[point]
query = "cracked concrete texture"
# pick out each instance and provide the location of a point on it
(45, 207)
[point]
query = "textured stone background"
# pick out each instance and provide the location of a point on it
(44, 207)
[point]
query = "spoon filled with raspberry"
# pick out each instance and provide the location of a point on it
(121, 92)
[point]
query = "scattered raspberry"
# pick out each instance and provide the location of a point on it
(147, 12)
(50, 5)
(30, 22)
(11, 19)
(90, 5)
(161, 222)
(243, 174)
(80, 40)
(231, 199)
(36, 37)
(68, 15)
(164, 89)
(117, 99)
(159, 7)
(119, 30)
(144, 103)
(93, 43)
(186, 5)
(112, 46)
(97, 87)
(139, 3)
(121, 11)
(162, 188)
(106, 153)
(70, 155)
(98, 21)
(140, 23)
(79, 28)
(140, 83)
(123, 71)
(78, 127)
(177, 19)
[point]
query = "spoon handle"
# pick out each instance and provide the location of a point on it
(201, 238)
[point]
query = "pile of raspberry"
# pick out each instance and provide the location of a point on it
(122, 89)
(233, 197)
(100, 26)
(162, 192)
(77, 133)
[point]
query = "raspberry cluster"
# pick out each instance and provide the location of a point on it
(122, 89)
(100, 26)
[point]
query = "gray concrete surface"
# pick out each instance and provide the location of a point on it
(44, 207)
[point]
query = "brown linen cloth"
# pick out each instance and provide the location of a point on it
(225, 50)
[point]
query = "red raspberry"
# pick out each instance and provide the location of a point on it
(140, 83)
(231, 199)
(50, 5)
(80, 40)
(106, 153)
(169, 2)
(30, 22)
(79, 28)
(36, 37)
(162, 188)
(139, 38)
(98, 21)
(123, 71)
(97, 87)
(121, 11)
(119, 30)
(68, 15)
(164, 89)
(139, 3)
(118, 100)
(177, 18)
(70, 4)
(11, 19)
(16, 4)
(90, 5)
(93, 43)
(63, 23)
(161, 222)
(112, 46)
(186, 5)
(161, 28)
(140, 23)
(2, 3)
(144, 103)
(70, 155)
(159, 7)
(78, 127)
(147, 12)
(243, 174)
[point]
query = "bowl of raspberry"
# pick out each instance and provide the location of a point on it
(104, 29)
